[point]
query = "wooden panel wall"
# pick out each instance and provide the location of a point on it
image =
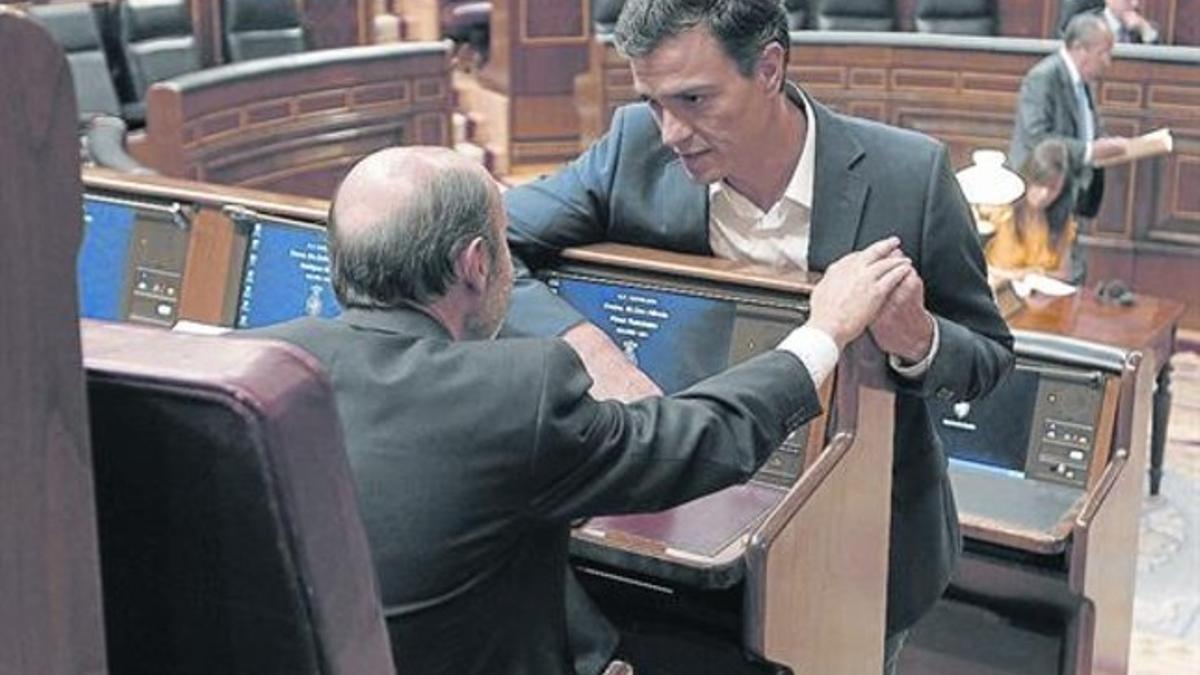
(964, 92)
(296, 124)
(537, 49)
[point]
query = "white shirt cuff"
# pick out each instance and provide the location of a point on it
(918, 369)
(815, 349)
(1087, 153)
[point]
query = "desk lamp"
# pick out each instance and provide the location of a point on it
(987, 184)
(990, 187)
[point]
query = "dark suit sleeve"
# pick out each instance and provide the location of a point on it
(595, 457)
(1037, 109)
(975, 347)
(569, 208)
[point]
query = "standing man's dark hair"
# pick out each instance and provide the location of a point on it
(742, 27)
(385, 254)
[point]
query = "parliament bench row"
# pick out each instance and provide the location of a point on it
(146, 570)
(118, 50)
(291, 123)
(1072, 518)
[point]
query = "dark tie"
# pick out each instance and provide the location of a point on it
(1123, 34)
(1087, 121)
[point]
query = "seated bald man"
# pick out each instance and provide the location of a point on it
(473, 455)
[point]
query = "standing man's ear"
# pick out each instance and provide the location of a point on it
(771, 68)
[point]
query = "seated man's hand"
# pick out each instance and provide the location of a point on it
(613, 375)
(854, 289)
(1108, 147)
(1134, 22)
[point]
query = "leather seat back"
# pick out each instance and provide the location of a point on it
(856, 15)
(75, 29)
(797, 14)
(259, 28)
(230, 539)
(157, 41)
(957, 17)
(50, 607)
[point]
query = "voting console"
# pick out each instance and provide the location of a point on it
(159, 250)
(789, 567)
(1047, 472)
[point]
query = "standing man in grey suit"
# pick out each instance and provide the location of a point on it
(1056, 101)
(726, 157)
(472, 455)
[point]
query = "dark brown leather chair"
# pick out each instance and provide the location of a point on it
(74, 28)
(255, 29)
(50, 618)
(230, 540)
(103, 120)
(157, 43)
(855, 15)
(797, 14)
(957, 17)
(468, 23)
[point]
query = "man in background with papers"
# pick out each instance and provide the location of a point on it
(1056, 101)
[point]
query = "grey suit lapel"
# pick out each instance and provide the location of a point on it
(1067, 87)
(838, 192)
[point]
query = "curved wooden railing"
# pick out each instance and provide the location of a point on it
(295, 124)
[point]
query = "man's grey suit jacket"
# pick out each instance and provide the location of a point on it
(871, 181)
(472, 458)
(1047, 108)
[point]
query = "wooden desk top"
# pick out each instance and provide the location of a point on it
(206, 194)
(1148, 324)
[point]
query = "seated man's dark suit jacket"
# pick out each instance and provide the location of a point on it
(471, 459)
(1047, 108)
(871, 181)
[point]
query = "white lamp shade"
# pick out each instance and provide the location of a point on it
(988, 182)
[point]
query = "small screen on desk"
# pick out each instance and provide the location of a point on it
(657, 330)
(286, 275)
(130, 264)
(994, 429)
(107, 230)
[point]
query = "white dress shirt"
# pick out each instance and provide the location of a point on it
(1088, 131)
(779, 237)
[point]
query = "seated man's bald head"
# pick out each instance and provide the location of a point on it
(400, 217)
(383, 181)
